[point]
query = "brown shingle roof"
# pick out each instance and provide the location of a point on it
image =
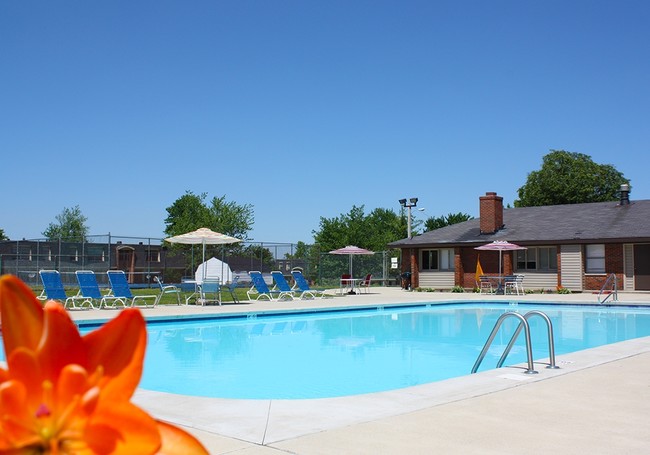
(573, 223)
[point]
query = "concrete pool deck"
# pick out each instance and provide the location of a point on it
(597, 402)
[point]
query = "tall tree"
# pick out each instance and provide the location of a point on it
(186, 214)
(371, 231)
(190, 212)
(2, 235)
(570, 178)
(441, 221)
(70, 225)
(231, 218)
(385, 226)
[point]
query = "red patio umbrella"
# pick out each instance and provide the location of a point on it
(351, 250)
(500, 246)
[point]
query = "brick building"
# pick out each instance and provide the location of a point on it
(576, 246)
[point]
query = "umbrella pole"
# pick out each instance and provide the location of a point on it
(352, 291)
(500, 259)
(203, 263)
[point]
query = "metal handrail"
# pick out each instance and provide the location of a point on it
(495, 330)
(611, 278)
(551, 342)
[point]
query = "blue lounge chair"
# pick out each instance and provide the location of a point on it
(53, 288)
(167, 289)
(281, 285)
(121, 291)
(303, 287)
(261, 289)
(89, 290)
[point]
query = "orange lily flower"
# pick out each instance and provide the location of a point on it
(63, 393)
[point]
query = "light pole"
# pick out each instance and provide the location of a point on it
(408, 204)
(412, 264)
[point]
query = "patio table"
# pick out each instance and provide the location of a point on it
(348, 283)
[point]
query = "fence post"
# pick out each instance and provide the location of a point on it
(109, 251)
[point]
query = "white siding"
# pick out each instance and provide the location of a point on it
(534, 281)
(628, 267)
(571, 267)
(437, 280)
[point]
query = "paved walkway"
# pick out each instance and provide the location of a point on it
(598, 402)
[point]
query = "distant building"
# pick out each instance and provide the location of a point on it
(140, 261)
(575, 246)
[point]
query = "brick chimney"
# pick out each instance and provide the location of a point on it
(491, 213)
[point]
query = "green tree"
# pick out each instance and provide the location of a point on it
(373, 231)
(2, 235)
(384, 226)
(70, 225)
(301, 252)
(441, 221)
(570, 178)
(231, 218)
(190, 212)
(186, 214)
(260, 255)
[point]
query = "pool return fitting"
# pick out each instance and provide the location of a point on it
(523, 324)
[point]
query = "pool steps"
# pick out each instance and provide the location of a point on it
(523, 324)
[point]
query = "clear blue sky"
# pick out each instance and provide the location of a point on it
(305, 108)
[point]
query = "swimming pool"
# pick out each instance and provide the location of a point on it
(329, 354)
(339, 353)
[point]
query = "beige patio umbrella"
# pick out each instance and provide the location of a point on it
(203, 236)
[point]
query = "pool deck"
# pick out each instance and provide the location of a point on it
(598, 402)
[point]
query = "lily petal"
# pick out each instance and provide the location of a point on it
(118, 347)
(13, 401)
(61, 343)
(24, 368)
(178, 442)
(21, 312)
(122, 428)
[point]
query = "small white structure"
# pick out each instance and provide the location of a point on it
(214, 268)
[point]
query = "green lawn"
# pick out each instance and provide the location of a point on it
(167, 299)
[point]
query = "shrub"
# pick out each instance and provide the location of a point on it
(424, 290)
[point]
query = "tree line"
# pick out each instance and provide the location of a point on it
(564, 178)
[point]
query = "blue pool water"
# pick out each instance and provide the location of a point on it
(330, 354)
(337, 354)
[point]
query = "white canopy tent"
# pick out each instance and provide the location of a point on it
(202, 236)
(213, 268)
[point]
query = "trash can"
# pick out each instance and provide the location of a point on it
(406, 281)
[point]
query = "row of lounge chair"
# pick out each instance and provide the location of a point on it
(281, 289)
(89, 294)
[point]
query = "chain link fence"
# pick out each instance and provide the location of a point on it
(143, 258)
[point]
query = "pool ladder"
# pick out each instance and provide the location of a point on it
(523, 324)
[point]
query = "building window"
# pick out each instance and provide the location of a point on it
(439, 260)
(595, 258)
(153, 256)
(542, 259)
